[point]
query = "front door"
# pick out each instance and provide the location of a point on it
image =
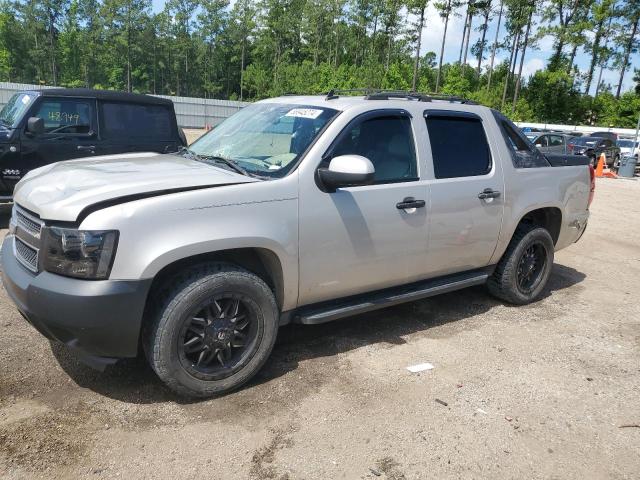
(70, 132)
(467, 193)
(556, 145)
(359, 239)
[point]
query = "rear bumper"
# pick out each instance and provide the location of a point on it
(101, 319)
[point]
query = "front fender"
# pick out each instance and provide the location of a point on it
(156, 232)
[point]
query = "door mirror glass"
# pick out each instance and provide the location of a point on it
(35, 125)
(347, 171)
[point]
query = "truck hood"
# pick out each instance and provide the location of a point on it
(61, 191)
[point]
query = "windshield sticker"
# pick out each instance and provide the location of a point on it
(26, 99)
(304, 113)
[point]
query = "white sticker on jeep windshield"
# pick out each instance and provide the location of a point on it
(26, 99)
(304, 113)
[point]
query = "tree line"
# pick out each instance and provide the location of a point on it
(252, 49)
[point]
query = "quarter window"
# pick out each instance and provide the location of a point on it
(523, 155)
(388, 142)
(66, 115)
(459, 146)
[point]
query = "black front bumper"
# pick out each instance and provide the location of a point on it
(100, 318)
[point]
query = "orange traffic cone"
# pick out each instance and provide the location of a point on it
(606, 171)
(602, 161)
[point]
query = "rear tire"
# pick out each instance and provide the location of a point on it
(524, 269)
(214, 327)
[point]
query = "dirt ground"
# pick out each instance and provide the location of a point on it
(542, 391)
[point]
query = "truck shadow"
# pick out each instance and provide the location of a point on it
(133, 381)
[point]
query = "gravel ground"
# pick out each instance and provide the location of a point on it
(542, 391)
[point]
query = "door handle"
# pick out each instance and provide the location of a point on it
(488, 193)
(410, 202)
(86, 147)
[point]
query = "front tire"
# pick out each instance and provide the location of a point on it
(524, 269)
(213, 329)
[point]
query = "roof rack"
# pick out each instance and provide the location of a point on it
(373, 94)
(333, 93)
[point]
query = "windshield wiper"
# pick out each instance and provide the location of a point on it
(227, 161)
(217, 159)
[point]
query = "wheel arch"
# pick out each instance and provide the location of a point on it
(263, 262)
(549, 218)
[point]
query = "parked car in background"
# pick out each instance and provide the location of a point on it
(550, 142)
(47, 126)
(300, 209)
(628, 148)
(593, 147)
(610, 135)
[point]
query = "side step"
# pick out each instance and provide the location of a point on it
(345, 307)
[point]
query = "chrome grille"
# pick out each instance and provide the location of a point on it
(28, 223)
(27, 237)
(26, 255)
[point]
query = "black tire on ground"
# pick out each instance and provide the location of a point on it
(203, 297)
(505, 283)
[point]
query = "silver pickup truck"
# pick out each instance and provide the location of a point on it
(296, 209)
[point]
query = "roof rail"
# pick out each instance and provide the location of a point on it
(334, 93)
(377, 94)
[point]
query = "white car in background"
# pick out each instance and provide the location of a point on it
(628, 148)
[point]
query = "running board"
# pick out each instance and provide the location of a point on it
(328, 311)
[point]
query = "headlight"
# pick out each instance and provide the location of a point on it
(78, 253)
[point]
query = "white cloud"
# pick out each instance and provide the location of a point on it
(532, 66)
(545, 44)
(433, 30)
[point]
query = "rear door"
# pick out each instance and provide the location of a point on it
(467, 192)
(69, 132)
(129, 127)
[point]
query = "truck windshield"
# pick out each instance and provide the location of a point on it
(265, 139)
(12, 112)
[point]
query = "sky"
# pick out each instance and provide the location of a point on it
(535, 59)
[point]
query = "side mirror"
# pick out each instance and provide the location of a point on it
(35, 125)
(347, 171)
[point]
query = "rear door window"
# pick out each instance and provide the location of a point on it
(133, 121)
(66, 115)
(459, 146)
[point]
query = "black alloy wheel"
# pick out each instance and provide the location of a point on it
(218, 337)
(211, 329)
(530, 267)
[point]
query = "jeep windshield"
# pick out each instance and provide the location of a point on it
(12, 112)
(264, 139)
